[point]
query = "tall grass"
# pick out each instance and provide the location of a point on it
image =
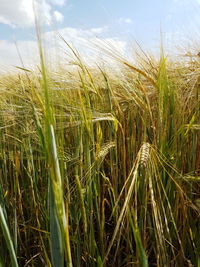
(102, 170)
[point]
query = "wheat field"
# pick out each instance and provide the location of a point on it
(101, 167)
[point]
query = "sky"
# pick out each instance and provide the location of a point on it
(90, 24)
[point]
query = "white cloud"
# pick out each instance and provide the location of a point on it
(86, 42)
(89, 47)
(16, 12)
(58, 16)
(19, 13)
(72, 33)
(58, 2)
(128, 20)
(10, 58)
(125, 20)
(99, 30)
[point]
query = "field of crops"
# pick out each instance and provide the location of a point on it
(101, 167)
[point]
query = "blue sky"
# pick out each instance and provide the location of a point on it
(119, 21)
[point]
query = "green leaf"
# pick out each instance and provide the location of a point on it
(55, 235)
(9, 242)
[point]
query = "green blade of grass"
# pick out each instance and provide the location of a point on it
(7, 236)
(142, 254)
(55, 234)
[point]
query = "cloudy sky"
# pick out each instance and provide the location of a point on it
(117, 23)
